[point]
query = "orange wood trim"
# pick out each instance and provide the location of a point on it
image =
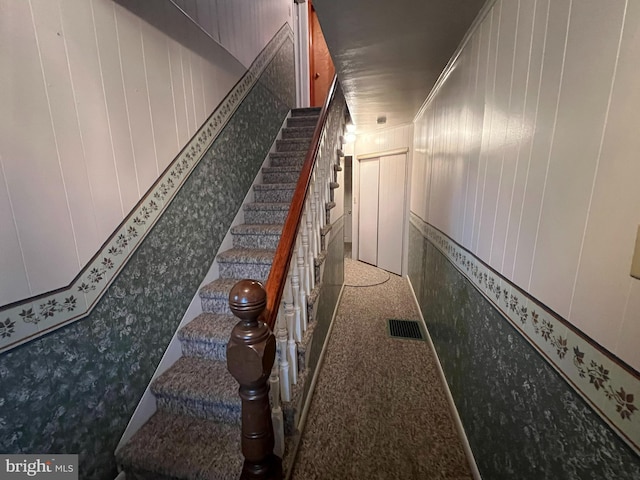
(312, 63)
(282, 259)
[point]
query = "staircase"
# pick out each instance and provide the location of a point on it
(195, 432)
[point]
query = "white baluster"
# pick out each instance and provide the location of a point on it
(320, 205)
(295, 287)
(304, 285)
(277, 418)
(283, 362)
(292, 348)
(309, 266)
(313, 238)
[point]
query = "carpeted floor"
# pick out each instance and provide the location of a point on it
(379, 410)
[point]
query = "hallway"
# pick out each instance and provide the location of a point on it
(379, 410)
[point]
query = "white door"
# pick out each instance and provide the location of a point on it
(382, 211)
(348, 199)
(391, 212)
(368, 227)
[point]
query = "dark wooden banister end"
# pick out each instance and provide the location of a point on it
(251, 353)
(247, 299)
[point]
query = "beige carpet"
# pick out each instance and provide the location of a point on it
(359, 274)
(379, 410)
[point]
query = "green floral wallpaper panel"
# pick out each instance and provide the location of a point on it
(521, 418)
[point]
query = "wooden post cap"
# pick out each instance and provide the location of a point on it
(247, 299)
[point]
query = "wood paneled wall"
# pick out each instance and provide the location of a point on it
(96, 102)
(527, 155)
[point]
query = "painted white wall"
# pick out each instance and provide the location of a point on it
(527, 156)
(243, 27)
(96, 103)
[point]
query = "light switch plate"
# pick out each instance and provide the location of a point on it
(635, 263)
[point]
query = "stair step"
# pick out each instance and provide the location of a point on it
(266, 213)
(214, 296)
(303, 121)
(292, 409)
(199, 387)
(283, 159)
(242, 263)
(298, 132)
(274, 192)
(179, 446)
(304, 347)
(287, 174)
(256, 236)
(293, 145)
(206, 336)
(305, 112)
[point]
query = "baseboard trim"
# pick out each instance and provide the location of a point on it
(312, 387)
(452, 405)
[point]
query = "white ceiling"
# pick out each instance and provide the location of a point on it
(388, 55)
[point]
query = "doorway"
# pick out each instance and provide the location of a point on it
(382, 210)
(321, 66)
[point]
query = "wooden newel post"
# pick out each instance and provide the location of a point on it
(250, 355)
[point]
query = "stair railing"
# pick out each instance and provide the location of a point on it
(273, 318)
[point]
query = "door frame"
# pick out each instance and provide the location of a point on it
(355, 175)
(302, 39)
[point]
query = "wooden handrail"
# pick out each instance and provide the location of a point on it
(251, 350)
(282, 258)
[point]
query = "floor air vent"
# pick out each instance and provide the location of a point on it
(404, 329)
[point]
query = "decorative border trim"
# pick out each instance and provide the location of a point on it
(31, 318)
(610, 387)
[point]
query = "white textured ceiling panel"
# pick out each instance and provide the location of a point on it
(388, 55)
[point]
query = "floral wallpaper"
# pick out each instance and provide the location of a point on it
(74, 390)
(523, 420)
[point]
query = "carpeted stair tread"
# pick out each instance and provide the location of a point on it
(274, 192)
(292, 145)
(267, 206)
(302, 121)
(257, 236)
(319, 260)
(206, 336)
(286, 174)
(293, 408)
(266, 213)
(198, 379)
(282, 169)
(214, 296)
(287, 158)
(306, 111)
(218, 288)
(246, 255)
(242, 263)
(274, 186)
(257, 229)
(179, 446)
(295, 154)
(298, 132)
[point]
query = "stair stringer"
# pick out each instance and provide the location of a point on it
(147, 405)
